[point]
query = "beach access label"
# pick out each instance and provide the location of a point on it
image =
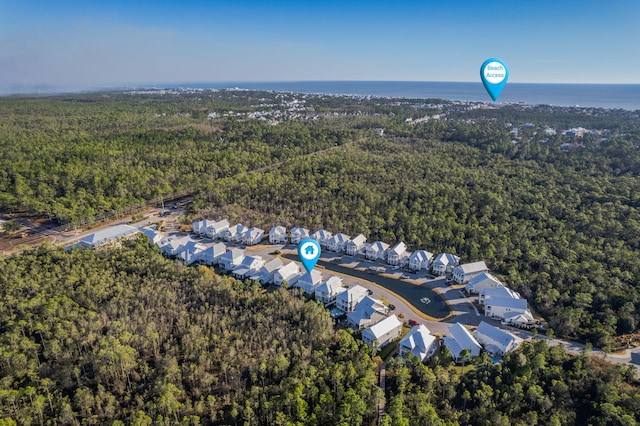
(494, 74)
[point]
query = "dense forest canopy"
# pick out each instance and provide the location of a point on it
(556, 216)
(121, 335)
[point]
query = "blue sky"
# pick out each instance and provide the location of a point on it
(90, 43)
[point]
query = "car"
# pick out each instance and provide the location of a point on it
(413, 323)
(392, 307)
(369, 292)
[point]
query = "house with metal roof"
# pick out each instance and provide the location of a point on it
(458, 340)
(495, 341)
(464, 273)
(418, 342)
(383, 332)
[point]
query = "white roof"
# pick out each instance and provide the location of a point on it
(482, 278)
(499, 291)
(315, 277)
(237, 229)
(494, 335)
(459, 339)
(356, 292)
(399, 248)
(365, 310)
(419, 339)
(217, 226)
(508, 302)
(253, 232)
(421, 255)
(233, 253)
(378, 246)
(359, 240)
(446, 258)
(470, 268)
(321, 234)
(381, 328)
(340, 238)
(289, 269)
(273, 265)
(301, 231)
(108, 234)
(333, 285)
(276, 230)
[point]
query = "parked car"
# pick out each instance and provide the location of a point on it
(413, 323)
(392, 307)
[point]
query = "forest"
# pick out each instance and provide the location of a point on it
(122, 335)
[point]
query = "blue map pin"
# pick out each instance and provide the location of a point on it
(494, 74)
(309, 253)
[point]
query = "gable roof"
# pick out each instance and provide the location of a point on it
(421, 255)
(357, 292)
(340, 238)
(495, 335)
(277, 230)
(418, 340)
(378, 246)
(399, 249)
(469, 268)
(381, 328)
(459, 339)
(332, 285)
(446, 258)
(107, 235)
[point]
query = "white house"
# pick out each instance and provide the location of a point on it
(463, 273)
(298, 234)
(190, 251)
(508, 309)
(383, 332)
(496, 342)
(322, 237)
(444, 263)
(480, 282)
(214, 230)
(233, 233)
(231, 259)
(252, 236)
(368, 311)
(338, 242)
(248, 266)
(310, 281)
(348, 300)
(173, 246)
(419, 342)
(397, 254)
(278, 235)
(152, 234)
(355, 245)
(420, 259)
(266, 273)
(499, 291)
(289, 273)
(377, 251)
(211, 255)
(458, 340)
(199, 227)
(328, 290)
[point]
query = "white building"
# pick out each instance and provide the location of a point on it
(248, 266)
(354, 246)
(288, 273)
(398, 254)
(420, 259)
(338, 242)
(368, 311)
(444, 263)
(328, 290)
(267, 272)
(480, 282)
(499, 291)
(211, 255)
(460, 339)
(214, 230)
(377, 251)
(105, 236)
(322, 237)
(383, 332)
(509, 310)
(298, 234)
(348, 300)
(419, 342)
(309, 282)
(233, 233)
(231, 259)
(464, 273)
(173, 245)
(496, 342)
(278, 235)
(152, 234)
(252, 236)
(190, 252)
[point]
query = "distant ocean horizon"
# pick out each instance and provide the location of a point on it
(610, 96)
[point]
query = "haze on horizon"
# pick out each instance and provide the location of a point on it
(80, 45)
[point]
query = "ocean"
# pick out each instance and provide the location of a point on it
(611, 96)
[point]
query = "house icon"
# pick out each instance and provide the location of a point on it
(309, 250)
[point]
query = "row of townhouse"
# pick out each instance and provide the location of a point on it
(222, 230)
(499, 302)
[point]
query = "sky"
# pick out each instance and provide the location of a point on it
(88, 44)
